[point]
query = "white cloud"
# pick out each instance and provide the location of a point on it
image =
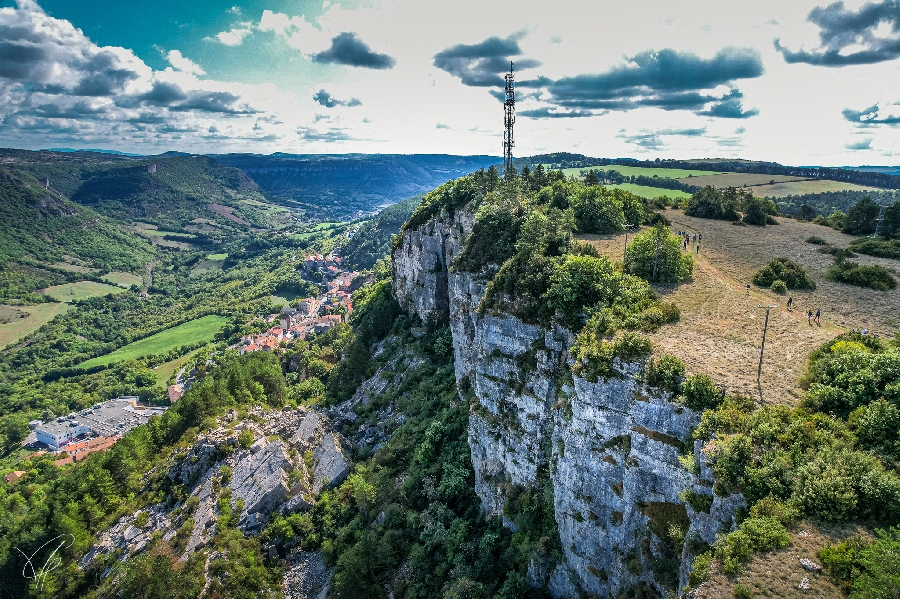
(184, 64)
(234, 36)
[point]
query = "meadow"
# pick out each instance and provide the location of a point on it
(73, 292)
(123, 279)
(721, 326)
(194, 331)
(780, 190)
(723, 180)
(18, 326)
(167, 370)
(646, 191)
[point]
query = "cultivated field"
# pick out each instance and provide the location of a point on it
(194, 331)
(123, 279)
(73, 292)
(211, 263)
(780, 190)
(19, 321)
(646, 191)
(637, 171)
(721, 181)
(227, 212)
(166, 370)
(721, 327)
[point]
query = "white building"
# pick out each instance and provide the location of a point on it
(58, 433)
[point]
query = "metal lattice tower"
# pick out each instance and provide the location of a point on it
(509, 119)
(879, 222)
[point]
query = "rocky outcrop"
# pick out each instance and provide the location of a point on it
(613, 450)
(295, 456)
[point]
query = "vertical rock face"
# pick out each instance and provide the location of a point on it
(622, 497)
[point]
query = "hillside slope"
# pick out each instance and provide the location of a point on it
(346, 185)
(373, 239)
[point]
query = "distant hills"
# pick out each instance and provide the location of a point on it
(349, 185)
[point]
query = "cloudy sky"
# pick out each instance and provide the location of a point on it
(793, 81)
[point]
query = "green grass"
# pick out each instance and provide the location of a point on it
(194, 331)
(628, 171)
(645, 191)
(217, 256)
(165, 370)
(123, 279)
(284, 299)
(73, 292)
(36, 317)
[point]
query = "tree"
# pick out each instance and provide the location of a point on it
(655, 255)
(597, 210)
(591, 178)
(709, 202)
(861, 218)
(890, 228)
(755, 212)
(14, 428)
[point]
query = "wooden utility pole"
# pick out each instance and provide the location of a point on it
(763, 346)
(625, 249)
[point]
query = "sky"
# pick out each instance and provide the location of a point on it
(792, 81)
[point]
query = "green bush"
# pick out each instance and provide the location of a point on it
(791, 273)
(665, 372)
(877, 426)
(245, 439)
(877, 247)
(742, 591)
(699, 502)
(579, 283)
(880, 561)
(874, 277)
(632, 345)
(598, 210)
(816, 240)
(841, 561)
(709, 202)
(779, 286)
(700, 569)
(700, 393)
(655, 255)
(861, 218)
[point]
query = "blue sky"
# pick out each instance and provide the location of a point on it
(799, 82)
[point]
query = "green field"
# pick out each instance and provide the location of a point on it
(645, 191)
(636, 171)
(36, 316)
(123, 279)
(284, 299)
(165, 370)
(217, 256)
(194, 331)
(73, 292)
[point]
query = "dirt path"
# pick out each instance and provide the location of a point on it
(721, 326)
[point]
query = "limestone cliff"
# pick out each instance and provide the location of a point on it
(633, 496)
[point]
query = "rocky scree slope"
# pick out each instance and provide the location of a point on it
(629, 514)
(294, 456)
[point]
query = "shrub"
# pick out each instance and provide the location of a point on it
(656, 256)
(699, 502)
(597, 210)
(815, 240)
(742, 591)
(877, 247)
(779, 286)
(709, 202)
(700, 393)
(791, 273)
(880, 561)
(878, 426)
(245, 439)
(861, 218)
(769, 507)
(841, 561)
(632, 345)
(874, 277)
(665, 372)
(700, 569)
(579, 283)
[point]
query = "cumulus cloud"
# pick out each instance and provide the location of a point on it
(653, 140)
(56, 84)
(346, 48)
(234, 36)
(847, 37)
(328, 101)
(183, 64)
(865, 144)
(546, 112)
(879, 114)
(482, 64)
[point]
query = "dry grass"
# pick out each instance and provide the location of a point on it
(721, 327)
(721, 181)
(780, 190)
(778, 573)
(23, 320)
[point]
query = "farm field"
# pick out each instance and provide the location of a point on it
(194, 331)
(780, 190)
(211, 263)
(74, 267)
(73, 292)
(724, 180)
(637, 171)
(720, 328)
(17, 326)
(645, 191)
(123, 279)
(284, 299)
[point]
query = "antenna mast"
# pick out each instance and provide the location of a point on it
(509, 119)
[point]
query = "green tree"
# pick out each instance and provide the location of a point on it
(880, 578)
(597, 210)
(579, 283)
(861, 218)
(591, 178)
(656, 256)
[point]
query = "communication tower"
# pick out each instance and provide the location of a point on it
(509, 119)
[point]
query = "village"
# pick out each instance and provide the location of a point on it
(310, 315)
